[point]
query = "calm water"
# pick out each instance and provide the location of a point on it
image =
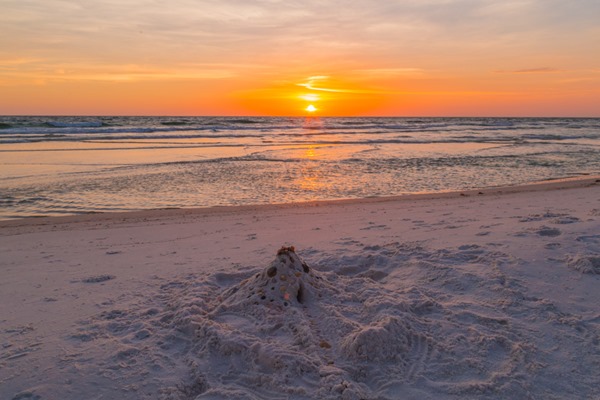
(68, 165)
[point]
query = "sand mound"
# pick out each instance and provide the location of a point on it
(385, 340)
(287, 282)
(585, 263)
(290, 331)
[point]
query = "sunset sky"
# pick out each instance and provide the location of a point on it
(271, 57)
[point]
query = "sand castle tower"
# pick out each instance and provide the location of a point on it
(286, 282)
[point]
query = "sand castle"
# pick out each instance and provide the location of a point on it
(286, 282)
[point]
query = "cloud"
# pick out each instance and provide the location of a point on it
(334, 36)
(318, 83)
(136, 76)
(46, 71)
(312, 82)
(18, 61)
(540, 70)
(390, 72)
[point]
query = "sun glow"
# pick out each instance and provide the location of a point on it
(311, 108)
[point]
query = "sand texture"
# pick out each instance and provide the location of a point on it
(460, 296)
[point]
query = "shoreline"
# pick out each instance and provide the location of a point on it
(168, 213)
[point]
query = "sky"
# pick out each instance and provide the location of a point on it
(272, 57)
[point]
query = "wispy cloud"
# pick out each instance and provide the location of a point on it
(312, 82)
(35, 71)
(391, 72)
(237, 30)
(136, 76)
(540, 70)
(319, 83)
(18, 61)
(543, 70)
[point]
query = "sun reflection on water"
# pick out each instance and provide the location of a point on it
(312, 123)
(310, 153)
(311, 178)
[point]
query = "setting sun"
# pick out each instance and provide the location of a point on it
(311, 108)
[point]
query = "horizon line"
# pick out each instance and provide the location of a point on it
(293, 116)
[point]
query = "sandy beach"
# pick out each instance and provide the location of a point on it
(475, 294)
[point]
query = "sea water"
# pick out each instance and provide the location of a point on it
(70, 165)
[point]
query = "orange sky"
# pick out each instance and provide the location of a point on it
(269, 57)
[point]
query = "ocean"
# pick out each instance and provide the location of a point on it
(73, 165)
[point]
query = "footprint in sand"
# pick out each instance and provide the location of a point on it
(565, 220)
(98, 278)
(589, 239)
(552, 246)
(549, 232)
(26, 396)
(371, 227)
(543, 231)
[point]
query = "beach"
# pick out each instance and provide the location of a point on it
(487, 293)
(268, 200)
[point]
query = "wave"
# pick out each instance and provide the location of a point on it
(276, 139)
(245, 121)
(222, 122)
(265, 124)
(175, 123)
(273, 130)
(377, 164)
(84, 124)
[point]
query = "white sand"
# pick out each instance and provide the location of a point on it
(492, 295)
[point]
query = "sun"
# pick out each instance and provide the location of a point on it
(311, 108)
